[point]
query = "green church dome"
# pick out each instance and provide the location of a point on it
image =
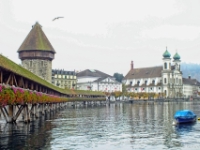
(176, 56)
(166, 54)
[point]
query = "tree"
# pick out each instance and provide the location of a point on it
(118, 77)
(117, 94)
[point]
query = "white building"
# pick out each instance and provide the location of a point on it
(96, 80)
(163, 80)
(191, 87)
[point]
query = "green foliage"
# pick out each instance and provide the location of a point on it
(118, 77)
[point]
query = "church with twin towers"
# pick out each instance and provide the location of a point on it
(165, 80)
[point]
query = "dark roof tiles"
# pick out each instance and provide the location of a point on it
(92, 73)
(149, 72)
(36, 40)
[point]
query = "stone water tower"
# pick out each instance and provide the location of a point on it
(37, 53)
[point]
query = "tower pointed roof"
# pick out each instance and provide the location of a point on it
(36, 40)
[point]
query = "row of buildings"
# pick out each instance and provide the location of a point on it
(37, 53)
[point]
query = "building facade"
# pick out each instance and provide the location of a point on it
(37, 53)
(64, 79)
(191, 87)
(96, 80)
(165, 80)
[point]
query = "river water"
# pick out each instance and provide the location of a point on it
(116, 126)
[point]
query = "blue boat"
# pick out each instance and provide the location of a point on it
(185, 116)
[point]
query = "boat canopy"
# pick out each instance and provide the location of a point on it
(184, 113)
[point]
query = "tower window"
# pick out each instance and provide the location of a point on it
(165, 65)
(31, 63)
(42, 63)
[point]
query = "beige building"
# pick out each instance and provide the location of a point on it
(64, 79)
(37, 53)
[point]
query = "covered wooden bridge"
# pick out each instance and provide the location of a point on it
(26, 94)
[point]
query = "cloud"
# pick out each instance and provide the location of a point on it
(181, 32)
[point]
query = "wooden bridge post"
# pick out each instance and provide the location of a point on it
(37, 110)
(10, 113)
(42, 109)
(26, 114)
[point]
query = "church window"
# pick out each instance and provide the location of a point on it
(145, 82)
(165, 80)
(165, 92)
(153, 82)
(176, 80)
(165, 65)
(138, 83)
(131, 82)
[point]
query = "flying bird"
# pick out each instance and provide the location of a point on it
(57, 18)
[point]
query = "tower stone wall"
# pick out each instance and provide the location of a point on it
(42, 68)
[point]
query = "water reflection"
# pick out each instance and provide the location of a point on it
(146, 125)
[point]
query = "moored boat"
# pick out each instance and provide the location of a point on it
(185, 116)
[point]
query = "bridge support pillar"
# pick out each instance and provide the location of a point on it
(26, 114)
(10, 113)
(42, 109)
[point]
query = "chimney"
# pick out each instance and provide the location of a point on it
(131, 65)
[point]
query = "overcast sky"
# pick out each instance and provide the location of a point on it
(105, 34)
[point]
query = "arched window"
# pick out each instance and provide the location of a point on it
(165, 80)
(165, 92)
(165, 65)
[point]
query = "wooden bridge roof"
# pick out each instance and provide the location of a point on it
(11, 66)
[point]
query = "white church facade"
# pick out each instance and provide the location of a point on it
(164, 80)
